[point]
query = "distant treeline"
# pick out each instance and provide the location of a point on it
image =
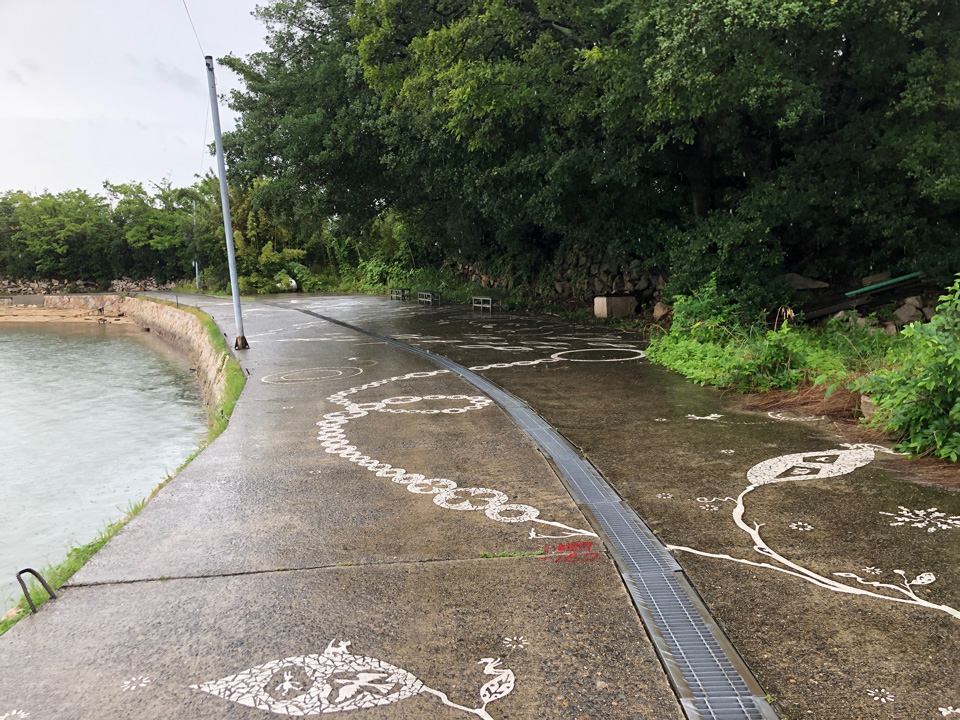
(130, 231)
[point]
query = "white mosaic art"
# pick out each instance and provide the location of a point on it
(446, 493)
(930, 519)
(881, 695)
(818, 465)
(339, 681)
(310, 375)
(136, 683)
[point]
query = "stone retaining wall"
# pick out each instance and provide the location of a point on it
(178, 327)
(50, 286)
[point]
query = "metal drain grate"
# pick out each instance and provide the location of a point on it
(707, 673)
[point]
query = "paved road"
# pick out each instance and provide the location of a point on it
(365, 494)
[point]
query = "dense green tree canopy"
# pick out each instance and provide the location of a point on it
(696, 136)
(732, 138)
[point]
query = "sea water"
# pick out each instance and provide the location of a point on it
(92, 418)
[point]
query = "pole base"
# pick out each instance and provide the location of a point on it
(241, 344)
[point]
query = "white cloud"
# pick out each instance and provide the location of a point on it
(112, 89)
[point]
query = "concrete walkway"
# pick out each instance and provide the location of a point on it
(370, 495)
(273, 575)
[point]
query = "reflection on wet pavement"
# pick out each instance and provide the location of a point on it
(838, 582)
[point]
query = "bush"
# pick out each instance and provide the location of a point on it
(918, 397)
(716, 341)
(740, 257)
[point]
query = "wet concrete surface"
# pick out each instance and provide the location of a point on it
(819, 647)
(268, 547)
(232, 594)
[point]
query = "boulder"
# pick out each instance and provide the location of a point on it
(799, 282)
(915, 300)
(906, 314)
(660, 311)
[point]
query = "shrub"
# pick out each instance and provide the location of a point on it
(918, 397)
(715, 341)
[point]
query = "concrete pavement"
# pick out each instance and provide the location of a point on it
(835, 576)
(272, 575)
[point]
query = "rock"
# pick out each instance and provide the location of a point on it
(659, 282)
(867, 407)
(642, 283)
(915, 300)
(906, 314)
(660, 311)
(928, 314)
(890, 328)
(799, 282)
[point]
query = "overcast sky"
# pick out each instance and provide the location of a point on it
(94, 90)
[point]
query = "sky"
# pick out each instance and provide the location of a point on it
(97, 90)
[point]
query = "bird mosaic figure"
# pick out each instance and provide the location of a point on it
(500, 686)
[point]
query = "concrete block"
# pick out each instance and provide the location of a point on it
(607, 306)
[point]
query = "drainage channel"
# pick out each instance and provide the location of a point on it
(707, 673)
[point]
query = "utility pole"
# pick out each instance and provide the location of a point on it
(241, 342)
(196, 255)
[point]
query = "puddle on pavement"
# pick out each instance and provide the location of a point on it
(850, 606)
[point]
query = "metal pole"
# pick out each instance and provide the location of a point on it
(241, 342)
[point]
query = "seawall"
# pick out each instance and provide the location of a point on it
(178, 327)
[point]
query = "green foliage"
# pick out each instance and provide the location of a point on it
(740, 257)
(712, 340)
(737, 138)
(918, 396)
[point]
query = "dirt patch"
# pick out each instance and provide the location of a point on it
(842, 410)
(15, 314)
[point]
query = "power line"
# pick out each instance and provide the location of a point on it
(199, 44)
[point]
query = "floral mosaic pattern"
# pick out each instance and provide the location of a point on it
(136, 683)
(339, 681)
(930, 519)
(832, 463)
(881, 695)
(515, 643)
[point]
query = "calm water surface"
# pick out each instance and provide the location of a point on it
(92, 418)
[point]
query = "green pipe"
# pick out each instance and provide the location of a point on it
(911, 276)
